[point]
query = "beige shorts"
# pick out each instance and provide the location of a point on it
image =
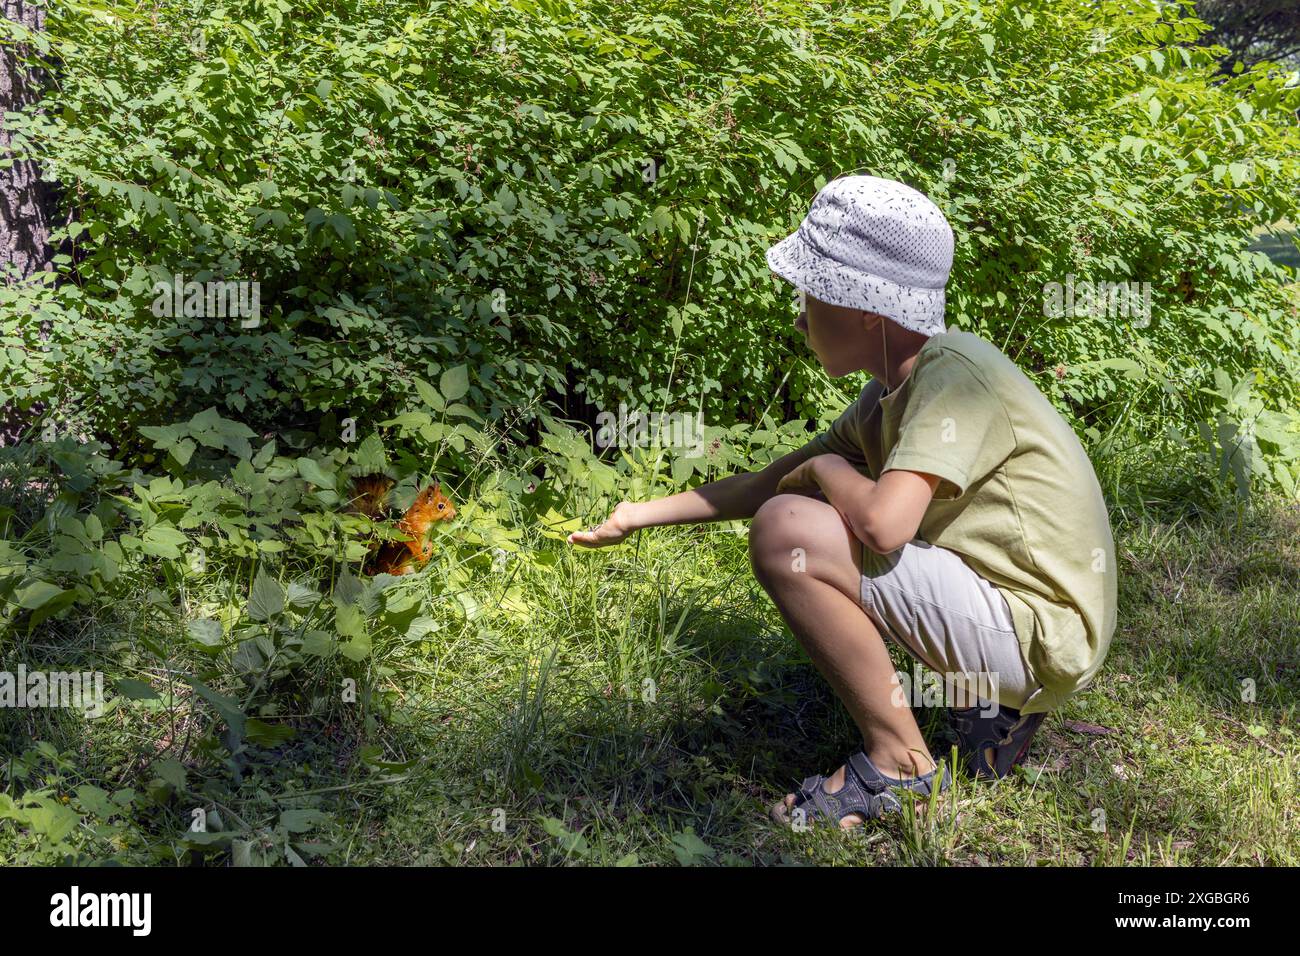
(929, 601)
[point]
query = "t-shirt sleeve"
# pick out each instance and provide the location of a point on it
(843, 437)
(953, 426)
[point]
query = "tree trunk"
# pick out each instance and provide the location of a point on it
(26, 202)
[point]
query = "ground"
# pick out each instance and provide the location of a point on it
(645, 704)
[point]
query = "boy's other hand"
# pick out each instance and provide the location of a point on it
(801, 479)
(612, 531)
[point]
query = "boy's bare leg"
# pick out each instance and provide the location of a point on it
(817, 591)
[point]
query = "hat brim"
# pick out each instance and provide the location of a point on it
(920, 310)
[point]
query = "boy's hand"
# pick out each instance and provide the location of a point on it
(612, 531)
(802, 478)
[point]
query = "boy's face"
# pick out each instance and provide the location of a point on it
(844, 340)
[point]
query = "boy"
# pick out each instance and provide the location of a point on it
(950, 509)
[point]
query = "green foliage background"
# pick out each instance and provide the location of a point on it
(472, 220)
(573, 198)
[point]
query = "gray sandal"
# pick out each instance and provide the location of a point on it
(866, 792)
(1007, 733)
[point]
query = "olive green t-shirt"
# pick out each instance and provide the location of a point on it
(1017, 498)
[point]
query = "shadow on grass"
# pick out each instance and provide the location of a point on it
(743, 720)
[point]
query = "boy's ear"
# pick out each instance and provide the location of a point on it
(872, 320)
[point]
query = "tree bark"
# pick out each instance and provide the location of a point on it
(26, 201)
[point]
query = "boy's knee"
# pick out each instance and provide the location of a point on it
(782, 532)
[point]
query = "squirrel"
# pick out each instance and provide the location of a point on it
(369, 495)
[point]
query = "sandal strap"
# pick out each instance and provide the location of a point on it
(866, 791)
(867, 773)
(870, 786)
(813, 791)
(871, 778)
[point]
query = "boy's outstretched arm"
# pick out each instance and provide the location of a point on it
(728, 499)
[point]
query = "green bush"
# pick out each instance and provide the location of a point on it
(417, 186)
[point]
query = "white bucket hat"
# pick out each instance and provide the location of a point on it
(872, 244)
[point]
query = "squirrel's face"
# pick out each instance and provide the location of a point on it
(438, 505)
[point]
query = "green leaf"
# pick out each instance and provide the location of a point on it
(266, 598)
(95, 801)
(690, 849)
(183, 451)
(421, 627)
(372, 755)
(206, 632)
(38, 594)
(557, 527)
(264, 456)
(348, 589)
(369, 456)
(136, 689)
(227, 708)
(454, 383)
(163, 541)
(318, 643)
(313, 473)
(429, 395)
(52, 821)
(268, 735)
(301, 595)
(300, 821)
(357, 649)
(350, 621)
(171, 771)
(409, 420)
(241, 853)
(343, 226)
